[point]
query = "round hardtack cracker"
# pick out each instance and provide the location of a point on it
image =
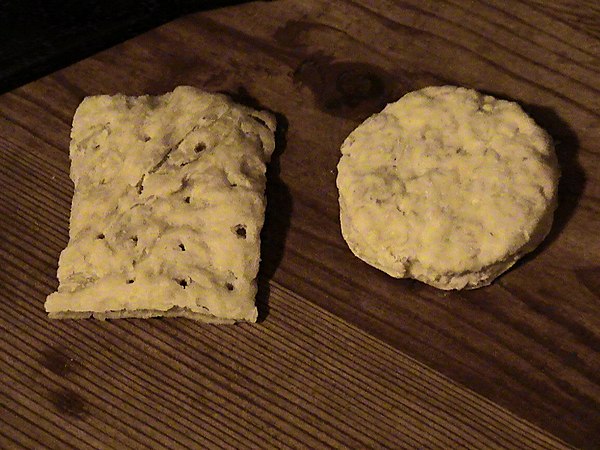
(447, 186)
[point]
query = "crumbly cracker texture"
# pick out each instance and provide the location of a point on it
(447, 186)
(167, 210)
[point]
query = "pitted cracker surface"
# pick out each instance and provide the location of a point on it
(447, 186)
(168, 207)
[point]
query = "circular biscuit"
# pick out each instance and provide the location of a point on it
(447, 186)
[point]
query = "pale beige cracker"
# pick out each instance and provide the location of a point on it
(447, 186)
(168, 207)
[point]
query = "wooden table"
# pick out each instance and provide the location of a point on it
(346, 356)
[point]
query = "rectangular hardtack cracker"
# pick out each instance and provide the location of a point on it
(167, 210)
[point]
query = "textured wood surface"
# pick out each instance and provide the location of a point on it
(304, 378)
(38, 37)
(345, 356)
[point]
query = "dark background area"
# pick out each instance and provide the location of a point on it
(38, 37)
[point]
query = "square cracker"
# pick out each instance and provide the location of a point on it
(167, 209)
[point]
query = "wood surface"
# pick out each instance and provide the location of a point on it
(345, 356)
(39, 37)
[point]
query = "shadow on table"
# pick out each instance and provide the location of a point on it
(572, 180)
(572, 176)
(277, 221)
(279, 206)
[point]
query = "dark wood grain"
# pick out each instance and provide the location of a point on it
(303, 378)
(39, 37)
(328, 366)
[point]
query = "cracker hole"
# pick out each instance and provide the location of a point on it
(182, 247)
(183, 283)
(229, 286)
(187, 199)
(200, 147)
(130, 281)
(100, 236)
(240, 230)
(134, 239)
(147, 138)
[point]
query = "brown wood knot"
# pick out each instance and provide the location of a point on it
(356, 85)
(57, 362)
(69, 403)
(346, 89)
